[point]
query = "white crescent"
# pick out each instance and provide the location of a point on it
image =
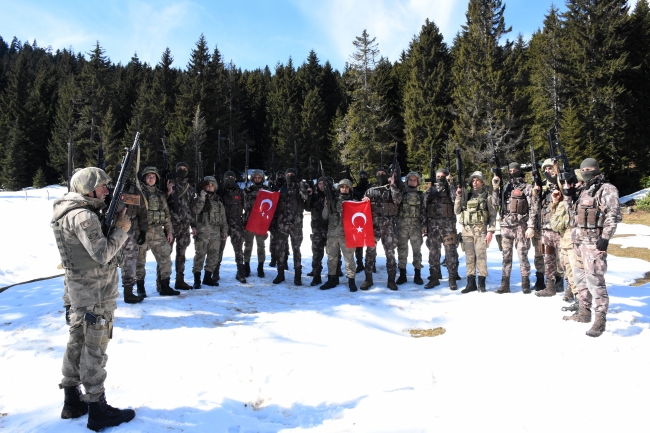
(359, 214)
(266, 200)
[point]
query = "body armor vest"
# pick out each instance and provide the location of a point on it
(335, 219)
(411, 202)
(587, 212)
(516, 201)
(155, 213)
(546, 201)
(475, 212)
(210, 214)
(381, 202)
(233, 201)
(441, 206)
(289, 200)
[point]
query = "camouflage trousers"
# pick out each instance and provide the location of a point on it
(335, 248)
(358, 253)
(283, 234)
(131, 251)
(475, 249)
(551, 245)
(273, 245)
(236, 233)
(162, 251)
(589, 276)
(318, 242)
(384, 229)
(440, 231)
(539, 255)
(182, 239)
(249, 237)
(409, 229)
(84, 361)
(568, 260)
(207, 242)
(512, 237)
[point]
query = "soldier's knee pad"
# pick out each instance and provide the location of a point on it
(449, 239)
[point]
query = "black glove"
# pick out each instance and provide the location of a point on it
(142, 238)
(601, 244)
(67, 315)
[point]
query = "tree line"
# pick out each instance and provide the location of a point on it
(585, 75)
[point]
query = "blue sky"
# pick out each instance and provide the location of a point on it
(252, 33)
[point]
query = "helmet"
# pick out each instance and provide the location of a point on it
(88, 179)
(547, 163)
(478, 175)
(413, 174)
(211, 180)
(257, 173)
(345, 182)
(150, 169)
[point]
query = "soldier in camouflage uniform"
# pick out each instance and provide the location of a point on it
(357, 193)
(279, 183)
(336, 245)
(90, 263)
(440, 228)
(232, 197)
(478, 218)
(517, 227)
(257, 177)
(315, 204)
(160, 235)
(595, 214)
(288, 223)
(410, 227)
(385, 200)
(212, 230)
(180, 198)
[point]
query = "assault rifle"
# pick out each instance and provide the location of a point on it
(497, 171)
(537, 180)
(328, 190)
(70, 158)
(246, 169)
(395, 169)
(296, 162)
(461, 172)
(120, 200)
(566, 173)
(347, 174)
(199, 171)
(432, 166)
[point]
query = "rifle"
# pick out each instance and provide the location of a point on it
(118, 201)
(199, 170)
(566, 173)
(347, 174)
(312, 181)
(461, 172)
(70, 158)
(296, 161)
(328, 190)
(217, 165)
(395, 169)
(497, 171)
(101, 162)
(272, 176)
(537, 180)
(246, 169)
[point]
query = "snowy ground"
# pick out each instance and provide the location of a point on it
(264, 358)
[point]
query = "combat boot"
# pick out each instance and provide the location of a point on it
(525, 285)
(583, 315)
(439, 273)
(402, 276)
(240, 274)
(452, 281)
(332, 281)
(598, 327)
(129, 297)
(571, 307)
(316, 280)
(280, 277)
(374, 269)
(549, 290)
(559, 284)
(352, 284)
(505, 285)
(197, 280)
(417, 279)
(433, 279)
(247, 269)
(481, 284)
(208, 280)
(471, 284)
(568, 295)
(539, 281)
(180, 283)
(360, 267)
(165, 290)
(273, 262)
(73, 407)
(101, 415)
(391, 280)
(297, 277)
(141, 291)
(260, 269)
(311, 273)
(368, 282)
(215, 273)
(286, 265)
(339, 270)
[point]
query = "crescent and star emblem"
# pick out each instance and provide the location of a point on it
(266, 200)
(362, 215)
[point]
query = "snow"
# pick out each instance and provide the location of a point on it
(260, 357)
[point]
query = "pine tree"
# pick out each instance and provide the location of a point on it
(283, 114)
(39, 180)
(12, 172)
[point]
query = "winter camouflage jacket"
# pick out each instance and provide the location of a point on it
(596, 212)
(183, 216)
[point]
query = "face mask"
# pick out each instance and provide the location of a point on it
(382, 179)
(291, 179)
(441, 181)
(551, 179)
(229, 182)
(363, 181)
(587, 176)
(280, 181)
(181, 173)
(516, 174)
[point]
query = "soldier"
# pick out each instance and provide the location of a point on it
(232, 197)
(257, 177)
(90, 263)
(595, 214)
(160, 235)
(516, 226)
(212, 231)
(180, 198)
(478, 218)
(357, 193)
(288, 222)
(410, 227)
(385, 200)
(336, 245)
(440, 228)
(279, 183)
(315, 204)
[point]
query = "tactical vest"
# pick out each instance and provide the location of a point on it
(252, 196)
(475, 212)
(587, 213)
(233, 201)
(289, 201)
(517, 203)
(546, 202)
(381, 202)
(317, 205)
(441, 206)
(155, 212)
(335, 218)
(411, 202)
(211, 216)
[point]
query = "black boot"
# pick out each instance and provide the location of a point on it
(332, 281)
(197, 280)
(539, 281)
(453, 277)
(247, 269)
(339, 271)
(180, 283)
(471, 284)
(101, 415)
(141, 291)
(352, 284)
(297, 277)
(286, 263)
(240, 274)
(273, 261)
(215, 274)
(433, 279)
(360, 267)
(417, 279)
(73, 407)
(368, 282)
(280, 277)
(402, 276)
(208, 280)
(129, 297)
(391, 280)
(505, 285)
(260, 269)
(311, 273)
(316, 280)
(165, 290)
(481, 284)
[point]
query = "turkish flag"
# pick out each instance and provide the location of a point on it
(357, 224)
(262, 212)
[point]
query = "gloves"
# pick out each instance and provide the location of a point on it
(203, 193)
(601, 244)
(67, 315)
(530, 232)
(123, 223)
(142, 237)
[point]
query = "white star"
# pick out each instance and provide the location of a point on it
(359, 229)
(263, 214)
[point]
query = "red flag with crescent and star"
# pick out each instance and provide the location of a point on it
(262, 212)
(357, 224)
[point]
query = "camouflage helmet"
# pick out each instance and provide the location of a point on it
(413, 174)
(211, 180)
(88, 179)
(547, 163)
(344, 182)
(150, 169)
(257, 173)
(478, 175)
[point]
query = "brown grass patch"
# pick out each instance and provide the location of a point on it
(629, 252)
(637, 217)
(642, 281)
(417, 333)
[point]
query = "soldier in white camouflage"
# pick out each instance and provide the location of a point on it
(180, 198)
(478, 218)
(595, 213)
(411, 225)
(257, 178)
(385, 199)
(212, 230)
(440, 228)
(90, 260)
(160, 235)
(233, 198)
(315, 205)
